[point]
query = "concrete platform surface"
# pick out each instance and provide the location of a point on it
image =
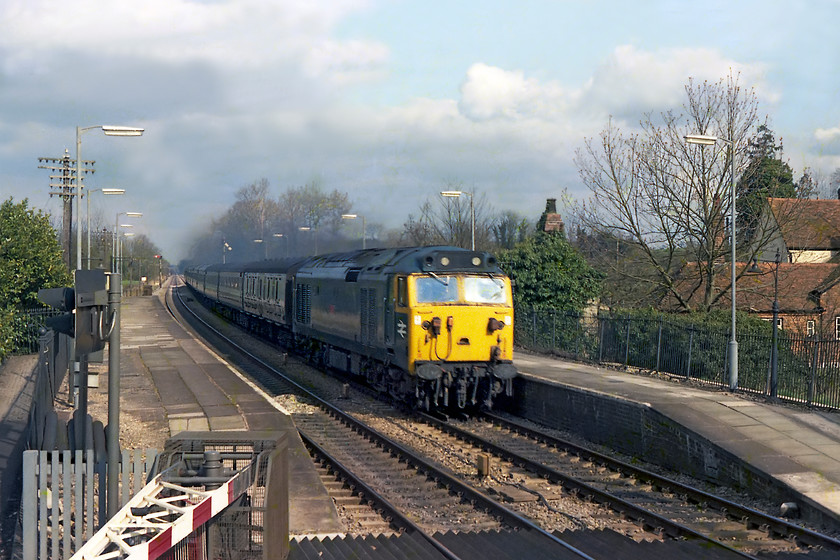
(798, 447)
(196, 390)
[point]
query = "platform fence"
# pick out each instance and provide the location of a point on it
(63, 497)
(808, 367)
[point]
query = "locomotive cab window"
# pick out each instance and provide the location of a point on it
(402, 292)
(436, 289)
(484, 290)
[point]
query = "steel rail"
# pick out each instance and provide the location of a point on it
(620, 505)
(396, 516)
(732, 509)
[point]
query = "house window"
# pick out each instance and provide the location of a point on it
(811, 328)
(837, 328)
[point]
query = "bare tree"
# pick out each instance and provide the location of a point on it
(671, 199)
(449, 221)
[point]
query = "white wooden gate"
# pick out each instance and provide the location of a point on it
(63, 499)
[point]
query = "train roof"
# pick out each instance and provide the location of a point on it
(406, 260)
(397, 260)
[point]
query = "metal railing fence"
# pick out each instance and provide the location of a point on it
(808, 368)
(25, 329)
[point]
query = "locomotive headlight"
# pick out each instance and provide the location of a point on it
(508, 320)
(417, 320)
(476, 261)
(444, 261)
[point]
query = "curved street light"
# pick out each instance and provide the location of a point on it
(315, 233)
(109, 130)
(364, 226)
(704, 140)
(286, 239)
(105, 191)
(457, 194)
(115, 252)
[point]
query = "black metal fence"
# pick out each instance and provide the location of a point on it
(26, 326)
(808, 369)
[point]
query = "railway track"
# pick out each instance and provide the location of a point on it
(422, 498)
(537, 473)
(545, 465)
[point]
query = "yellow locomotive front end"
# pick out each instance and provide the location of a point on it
(459, 337)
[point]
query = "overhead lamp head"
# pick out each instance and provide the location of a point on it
(110, 130)
(113, 191)
(451, 194)
(134, 214)
(701, 139)
(349, 216)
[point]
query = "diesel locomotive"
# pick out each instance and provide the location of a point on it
(431, 326)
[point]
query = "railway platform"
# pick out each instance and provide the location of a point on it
(790, 453)
(168, 374)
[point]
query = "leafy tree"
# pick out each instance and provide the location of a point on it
(139, 259)
(30, 259)
(549, 274)
(510, 228)
(765, 176)
(30, 256)
(808, 185)
(671, 199)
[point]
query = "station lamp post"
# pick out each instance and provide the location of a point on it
(125, 235)
(364, 226)
(109, 130)
(225, 248)
(703, 140)
(457, 194)
(286, 239)
(117, 226)
(105, 191)
(314, 232)
(265, 246)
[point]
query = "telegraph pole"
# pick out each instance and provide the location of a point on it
(62, 183)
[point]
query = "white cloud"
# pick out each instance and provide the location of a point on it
(235, 34)
(632, 82)
(230, 91)
(490, 92)
(827, 134)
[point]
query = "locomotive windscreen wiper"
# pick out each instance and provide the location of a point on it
(439, 279)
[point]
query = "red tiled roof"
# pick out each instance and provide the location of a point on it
(755, 290)
(808, 224)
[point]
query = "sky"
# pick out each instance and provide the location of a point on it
(390, 101)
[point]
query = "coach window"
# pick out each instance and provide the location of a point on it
(402, 292)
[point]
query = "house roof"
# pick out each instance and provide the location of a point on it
(806, 223)
(798, 285)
